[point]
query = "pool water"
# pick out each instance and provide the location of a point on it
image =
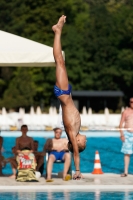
(108, 147)
(66, 195)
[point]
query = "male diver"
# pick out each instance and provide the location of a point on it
(62, 90)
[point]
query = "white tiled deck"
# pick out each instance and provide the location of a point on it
(90, 183)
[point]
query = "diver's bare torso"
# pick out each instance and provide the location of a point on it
(70, 114)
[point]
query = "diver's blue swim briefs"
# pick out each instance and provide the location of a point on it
(58, 92)
(58, 155)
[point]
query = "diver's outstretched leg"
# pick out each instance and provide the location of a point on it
(61, 73)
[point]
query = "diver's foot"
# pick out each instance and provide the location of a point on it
(58, 27)
(12, 176)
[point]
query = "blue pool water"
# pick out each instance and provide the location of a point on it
(66, 196)
(108, 147)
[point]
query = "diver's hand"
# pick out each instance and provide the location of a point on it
(77, 175)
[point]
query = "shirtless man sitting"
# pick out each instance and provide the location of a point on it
(21, 142)
(126, 135)
(13, 162)
(58, 150)
(1, 143)
(62, 90)
(24, 140)
(1, 159)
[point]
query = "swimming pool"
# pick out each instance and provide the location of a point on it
(66, 195)
(107, 143)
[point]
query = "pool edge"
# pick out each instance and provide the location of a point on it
(67, 187)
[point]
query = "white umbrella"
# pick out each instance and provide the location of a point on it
(54, 111)
(21, 117)
(60, 120)
(84, 117)
(19, 51)
(84, 111)
(90, 111)
(6, 121)
(4, 112)
(90, 116)
(122, 109)
(51, 111)
(4, 117)
(26, 119)
(14, 117)
(32, 119)
(21, 111)
(32, 112)
(38, 110)
(39, 119)
(106, 113)
(50, 121)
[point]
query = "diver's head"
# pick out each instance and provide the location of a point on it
(81, 141)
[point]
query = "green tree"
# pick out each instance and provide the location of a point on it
(21, 90)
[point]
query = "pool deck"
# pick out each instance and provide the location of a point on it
(104, 182)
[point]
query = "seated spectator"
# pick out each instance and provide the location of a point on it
(24, 140)
(1, 157)
(39, 158)
(26, 166)
(1, 143)
(13, 162)
(58, 150)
